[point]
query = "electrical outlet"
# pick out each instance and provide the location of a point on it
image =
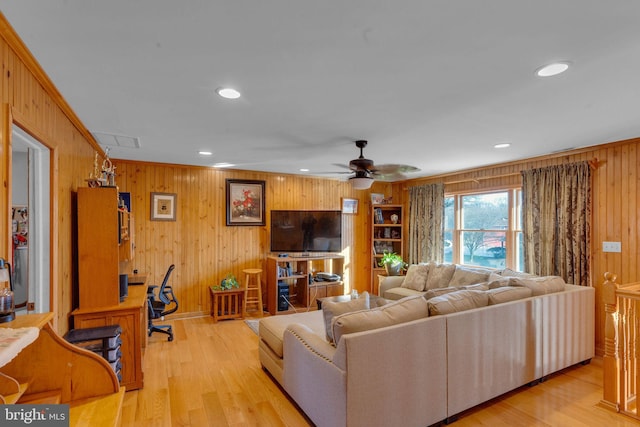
(611, 247)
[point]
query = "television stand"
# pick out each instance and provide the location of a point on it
(295, 274)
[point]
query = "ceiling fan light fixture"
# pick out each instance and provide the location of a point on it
(552, 69)
(228, 93)
(361, 182)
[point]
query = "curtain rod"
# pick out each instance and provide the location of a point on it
(593, 164)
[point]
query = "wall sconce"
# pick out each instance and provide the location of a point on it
(7, 303)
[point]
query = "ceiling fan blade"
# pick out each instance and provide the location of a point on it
(340, 165)
(391, 168)
(395, 176)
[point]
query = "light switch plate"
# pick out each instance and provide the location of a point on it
(611, 247)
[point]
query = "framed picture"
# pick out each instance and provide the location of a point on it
(245, 202)
(349, 206)
(163, 206)
(377, 198)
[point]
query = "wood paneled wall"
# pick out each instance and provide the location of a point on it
(615, 205)
(32, 101)
(200, 244)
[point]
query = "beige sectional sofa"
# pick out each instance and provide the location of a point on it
(416, 362)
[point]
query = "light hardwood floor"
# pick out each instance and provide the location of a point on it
(210, 376)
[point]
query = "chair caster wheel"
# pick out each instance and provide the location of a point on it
(169, 338)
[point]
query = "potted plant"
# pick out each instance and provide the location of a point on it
(392, 262)
(229, 282)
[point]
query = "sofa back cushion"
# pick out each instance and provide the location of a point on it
(468, 276)
(416, 277)
(457, 301)
(331, 309)
(539, 285)
(432, 293)
(507, 293)
(401, 311)
(439, 275)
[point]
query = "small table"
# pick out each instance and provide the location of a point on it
(345, 298)
(227, 304)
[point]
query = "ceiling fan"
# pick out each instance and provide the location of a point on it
(366, 172)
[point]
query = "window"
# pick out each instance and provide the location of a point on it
(484, 229)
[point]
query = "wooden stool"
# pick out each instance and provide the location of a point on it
(253, 290)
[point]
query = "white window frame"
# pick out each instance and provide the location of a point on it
(514, 229)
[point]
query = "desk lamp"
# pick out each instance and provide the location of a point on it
(7, 304)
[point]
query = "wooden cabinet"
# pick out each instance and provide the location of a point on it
(298, 278)
(105, 245)
(98, 247)
(131, 315)
(387, 234)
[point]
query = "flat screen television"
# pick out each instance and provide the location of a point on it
(306, 231)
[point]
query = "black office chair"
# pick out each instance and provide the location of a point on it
(161, 304)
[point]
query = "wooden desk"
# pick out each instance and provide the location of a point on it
(50, 370)
(131, 315)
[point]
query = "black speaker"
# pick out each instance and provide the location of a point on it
(283, 296)
(124, 286)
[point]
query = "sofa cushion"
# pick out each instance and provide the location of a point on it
(432, 293)
(457, 301)
(539, 285)
(330, 309)
(399, 293)
(416, 277)
(484, 286)
(401, 311)
(468, 276)
(271, 329)
(499, 282)
(439, 275)
(507, 293)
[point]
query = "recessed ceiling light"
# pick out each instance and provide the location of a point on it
(205, 153)
(223, 165)
(228, 93)
(552, 69)
(502, 145)
(304, 170)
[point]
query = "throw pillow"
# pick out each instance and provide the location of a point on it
(457, 301)
(468, 276)
(507, 272)
(331, 309)
(416, 277)
(439, 275)
(401, 311)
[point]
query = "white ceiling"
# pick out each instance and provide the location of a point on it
(433, 84)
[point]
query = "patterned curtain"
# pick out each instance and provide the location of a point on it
(426, 223)
(556, 214)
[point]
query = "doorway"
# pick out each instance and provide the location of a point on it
(30, 208)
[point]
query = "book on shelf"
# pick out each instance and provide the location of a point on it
(378, 218)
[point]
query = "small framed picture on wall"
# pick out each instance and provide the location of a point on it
(349, 206)
(163, 206)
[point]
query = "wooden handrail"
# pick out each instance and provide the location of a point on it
(620, 371)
